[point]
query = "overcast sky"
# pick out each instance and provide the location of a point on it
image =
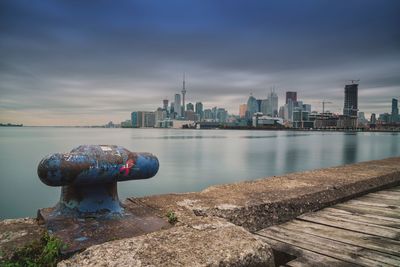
(89, 62)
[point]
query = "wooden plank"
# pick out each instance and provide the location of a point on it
(369, 210)
(385, 196)
(377, 204)
(396, 189)
(304, 257)
(388, 202)
(329, 248)
(384, 245)
(389, 193)
(380, 221)
(363, 214)
(352, 225)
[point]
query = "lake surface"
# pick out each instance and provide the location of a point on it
(190, 160)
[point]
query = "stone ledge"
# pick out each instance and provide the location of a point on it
(264, 202)
(213, 242)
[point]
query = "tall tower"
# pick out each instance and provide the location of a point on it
(183, 95)
(350, 100)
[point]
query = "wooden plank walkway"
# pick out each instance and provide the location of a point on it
(360, 232)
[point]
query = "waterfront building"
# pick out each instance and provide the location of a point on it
(143, 119)
(191, 115)
(242, 111)
(136, 119)
(350, 100)
(190, 106)
(208, 114)
(291, 96)
(252, 106)
(160, 115)
(222, 115)
(395, 110)
(126, 124)
(346, 122)
(384, 118)
(199, 110)
(260, 120)
(177, 106)
(323, 120)
(265, 107)
(272, 104)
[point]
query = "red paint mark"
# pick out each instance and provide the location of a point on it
(127, 167)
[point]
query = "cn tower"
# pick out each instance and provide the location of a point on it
(183, 96)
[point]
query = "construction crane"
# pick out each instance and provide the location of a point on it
(323, 105)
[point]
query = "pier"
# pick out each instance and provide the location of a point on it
(360, 232)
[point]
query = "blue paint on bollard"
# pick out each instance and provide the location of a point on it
(89, 173)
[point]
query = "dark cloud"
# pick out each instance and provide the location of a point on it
(104, 59)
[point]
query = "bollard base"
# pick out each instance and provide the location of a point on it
(80, 233)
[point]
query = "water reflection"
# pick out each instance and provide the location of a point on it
(190, 160)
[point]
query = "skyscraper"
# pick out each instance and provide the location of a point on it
(177, 105)
(165, 104)
(292, 96)
(189, 106)
(273, 104)
(199, 110)
(265, 107)
(395, 110)
(350, 100)
(252, 107)
(183, 94)
(242, 110)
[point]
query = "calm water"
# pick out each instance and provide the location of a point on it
(190, 160)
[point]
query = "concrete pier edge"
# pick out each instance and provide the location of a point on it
(215, 225)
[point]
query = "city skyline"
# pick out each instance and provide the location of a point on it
(66, 63)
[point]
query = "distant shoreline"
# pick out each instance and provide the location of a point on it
(225, 128)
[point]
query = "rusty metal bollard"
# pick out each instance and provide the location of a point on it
(89, 175)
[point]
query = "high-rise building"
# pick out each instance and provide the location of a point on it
(259, 105)
(395, 110)
(307, 107)
(292, 96)
(165, 104)
(177, 105)
(350, 100)
(136, 119)
(273, 104)
(252, 107)
(288, 110)
(265, 107)
(143, 119)
(189, 106)
(199, 110)
(183, 94)
(373, 119)
(242, 110)
(222, 115)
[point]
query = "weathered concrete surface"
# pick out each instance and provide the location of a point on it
(261, 203)
(16, 233)
(211, 242)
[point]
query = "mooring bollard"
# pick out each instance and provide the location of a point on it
(89, 175)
